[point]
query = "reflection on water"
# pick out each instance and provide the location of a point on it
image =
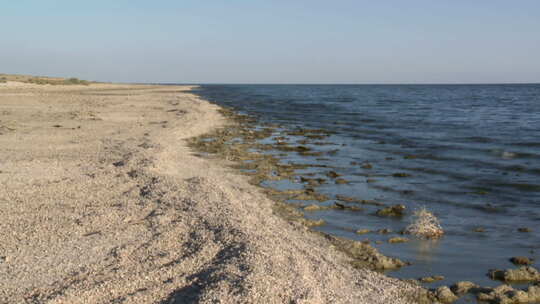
(425, 250)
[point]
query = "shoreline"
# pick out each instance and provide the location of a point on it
(257, 149)
(236, 144)
(106, 202)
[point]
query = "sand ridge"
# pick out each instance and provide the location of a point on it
(101, 201)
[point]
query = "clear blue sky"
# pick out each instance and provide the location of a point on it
(280, 41)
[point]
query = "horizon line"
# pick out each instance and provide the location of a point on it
(344, 83)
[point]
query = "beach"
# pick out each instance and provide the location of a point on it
(102, 200)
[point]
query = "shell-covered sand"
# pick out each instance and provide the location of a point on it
(101, 201)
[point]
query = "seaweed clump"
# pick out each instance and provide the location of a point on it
(425, 225)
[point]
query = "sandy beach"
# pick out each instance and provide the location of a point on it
(102, 201)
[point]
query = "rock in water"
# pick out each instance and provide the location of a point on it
(398, 239)
(401, 175)
(523, 274)
(445, 295)
(395, 210)
(431, 279)
(363, 231)
(314, 207)
(520, 260)
(496, 295)
(332, 174)
(341, 181)
(463, 287)
(367, 166)
(365, 255)
(384, 231)
(505, 294)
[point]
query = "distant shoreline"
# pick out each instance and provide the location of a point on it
(358, 84)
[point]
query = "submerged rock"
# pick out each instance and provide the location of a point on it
(372, 202)
(341, 181)
(307, 153)
(479, 229)
(312, 181)
(316, 136)
(312, 223)
(410, 157)
(314, 207)
(285, 147)
(395, 210)
(363, 231)
(397, 239)
(332, 174)
(481, 192)
(524, 229)
(348, 199)
(523, 274)
(365, 255)
(367, 166)
(384, 231)
(281, 138)
(345, 207)
(304, 132)
(291, 213)
(431, 279)
(308, 194)
(520, 260)
(332, 152)
(401, 174)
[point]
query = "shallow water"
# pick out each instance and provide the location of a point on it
(472, 152)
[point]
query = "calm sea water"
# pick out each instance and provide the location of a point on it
(472, 152)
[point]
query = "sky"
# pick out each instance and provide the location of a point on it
(278, 41)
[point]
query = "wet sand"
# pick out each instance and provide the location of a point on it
(102, 201)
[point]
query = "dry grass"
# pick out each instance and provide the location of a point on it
(425, 224)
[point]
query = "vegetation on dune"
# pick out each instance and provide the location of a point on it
(75, 81)
(56, 81)
(42, 80)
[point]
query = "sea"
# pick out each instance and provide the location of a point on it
(468, 153)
